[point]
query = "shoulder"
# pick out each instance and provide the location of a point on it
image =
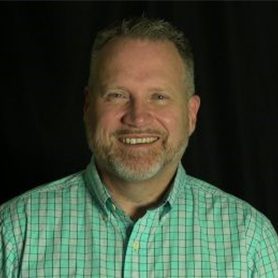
(45, 193)
(214, 197)
(237, 214)
(33, 211)
(217, 198)
(246, 228)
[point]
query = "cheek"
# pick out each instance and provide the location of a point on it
(103, 120)
(175, 122)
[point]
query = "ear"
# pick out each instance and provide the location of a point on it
(193, 108)
(86, 99)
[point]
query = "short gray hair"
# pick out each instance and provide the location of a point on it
(151, 29)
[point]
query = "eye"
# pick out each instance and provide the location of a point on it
(160, 97)
(116, 96)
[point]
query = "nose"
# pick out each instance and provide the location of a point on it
(137, 114)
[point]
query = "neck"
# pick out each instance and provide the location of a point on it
(134, 198)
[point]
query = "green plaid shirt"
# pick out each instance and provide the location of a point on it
(71, 228)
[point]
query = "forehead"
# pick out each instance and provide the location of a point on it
(141, 56)
(125, 47)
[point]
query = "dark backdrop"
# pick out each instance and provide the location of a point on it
(45, 49)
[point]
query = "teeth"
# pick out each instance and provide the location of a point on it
(133, 141)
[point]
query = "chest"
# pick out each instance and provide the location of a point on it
(100, 247)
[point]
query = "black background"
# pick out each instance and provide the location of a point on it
(45, 50)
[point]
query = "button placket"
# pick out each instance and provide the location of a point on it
(138, 244)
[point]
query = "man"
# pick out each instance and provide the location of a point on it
(134, 212)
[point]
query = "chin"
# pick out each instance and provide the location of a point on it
(136, 174)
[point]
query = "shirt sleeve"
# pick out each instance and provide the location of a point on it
(8, 261)
(264, 244)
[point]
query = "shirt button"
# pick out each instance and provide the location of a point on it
(104, 218)
(136, 245)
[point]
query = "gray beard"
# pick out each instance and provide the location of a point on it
(135, 167)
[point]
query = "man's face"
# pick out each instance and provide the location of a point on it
(138, 116)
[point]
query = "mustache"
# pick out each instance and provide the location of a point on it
(138, 131)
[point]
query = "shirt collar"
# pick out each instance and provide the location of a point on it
(178, 185)
(95, 185)
(98, 189)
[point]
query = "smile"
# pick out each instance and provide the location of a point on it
(142, 140)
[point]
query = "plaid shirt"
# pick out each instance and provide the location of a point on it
(72, 228)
